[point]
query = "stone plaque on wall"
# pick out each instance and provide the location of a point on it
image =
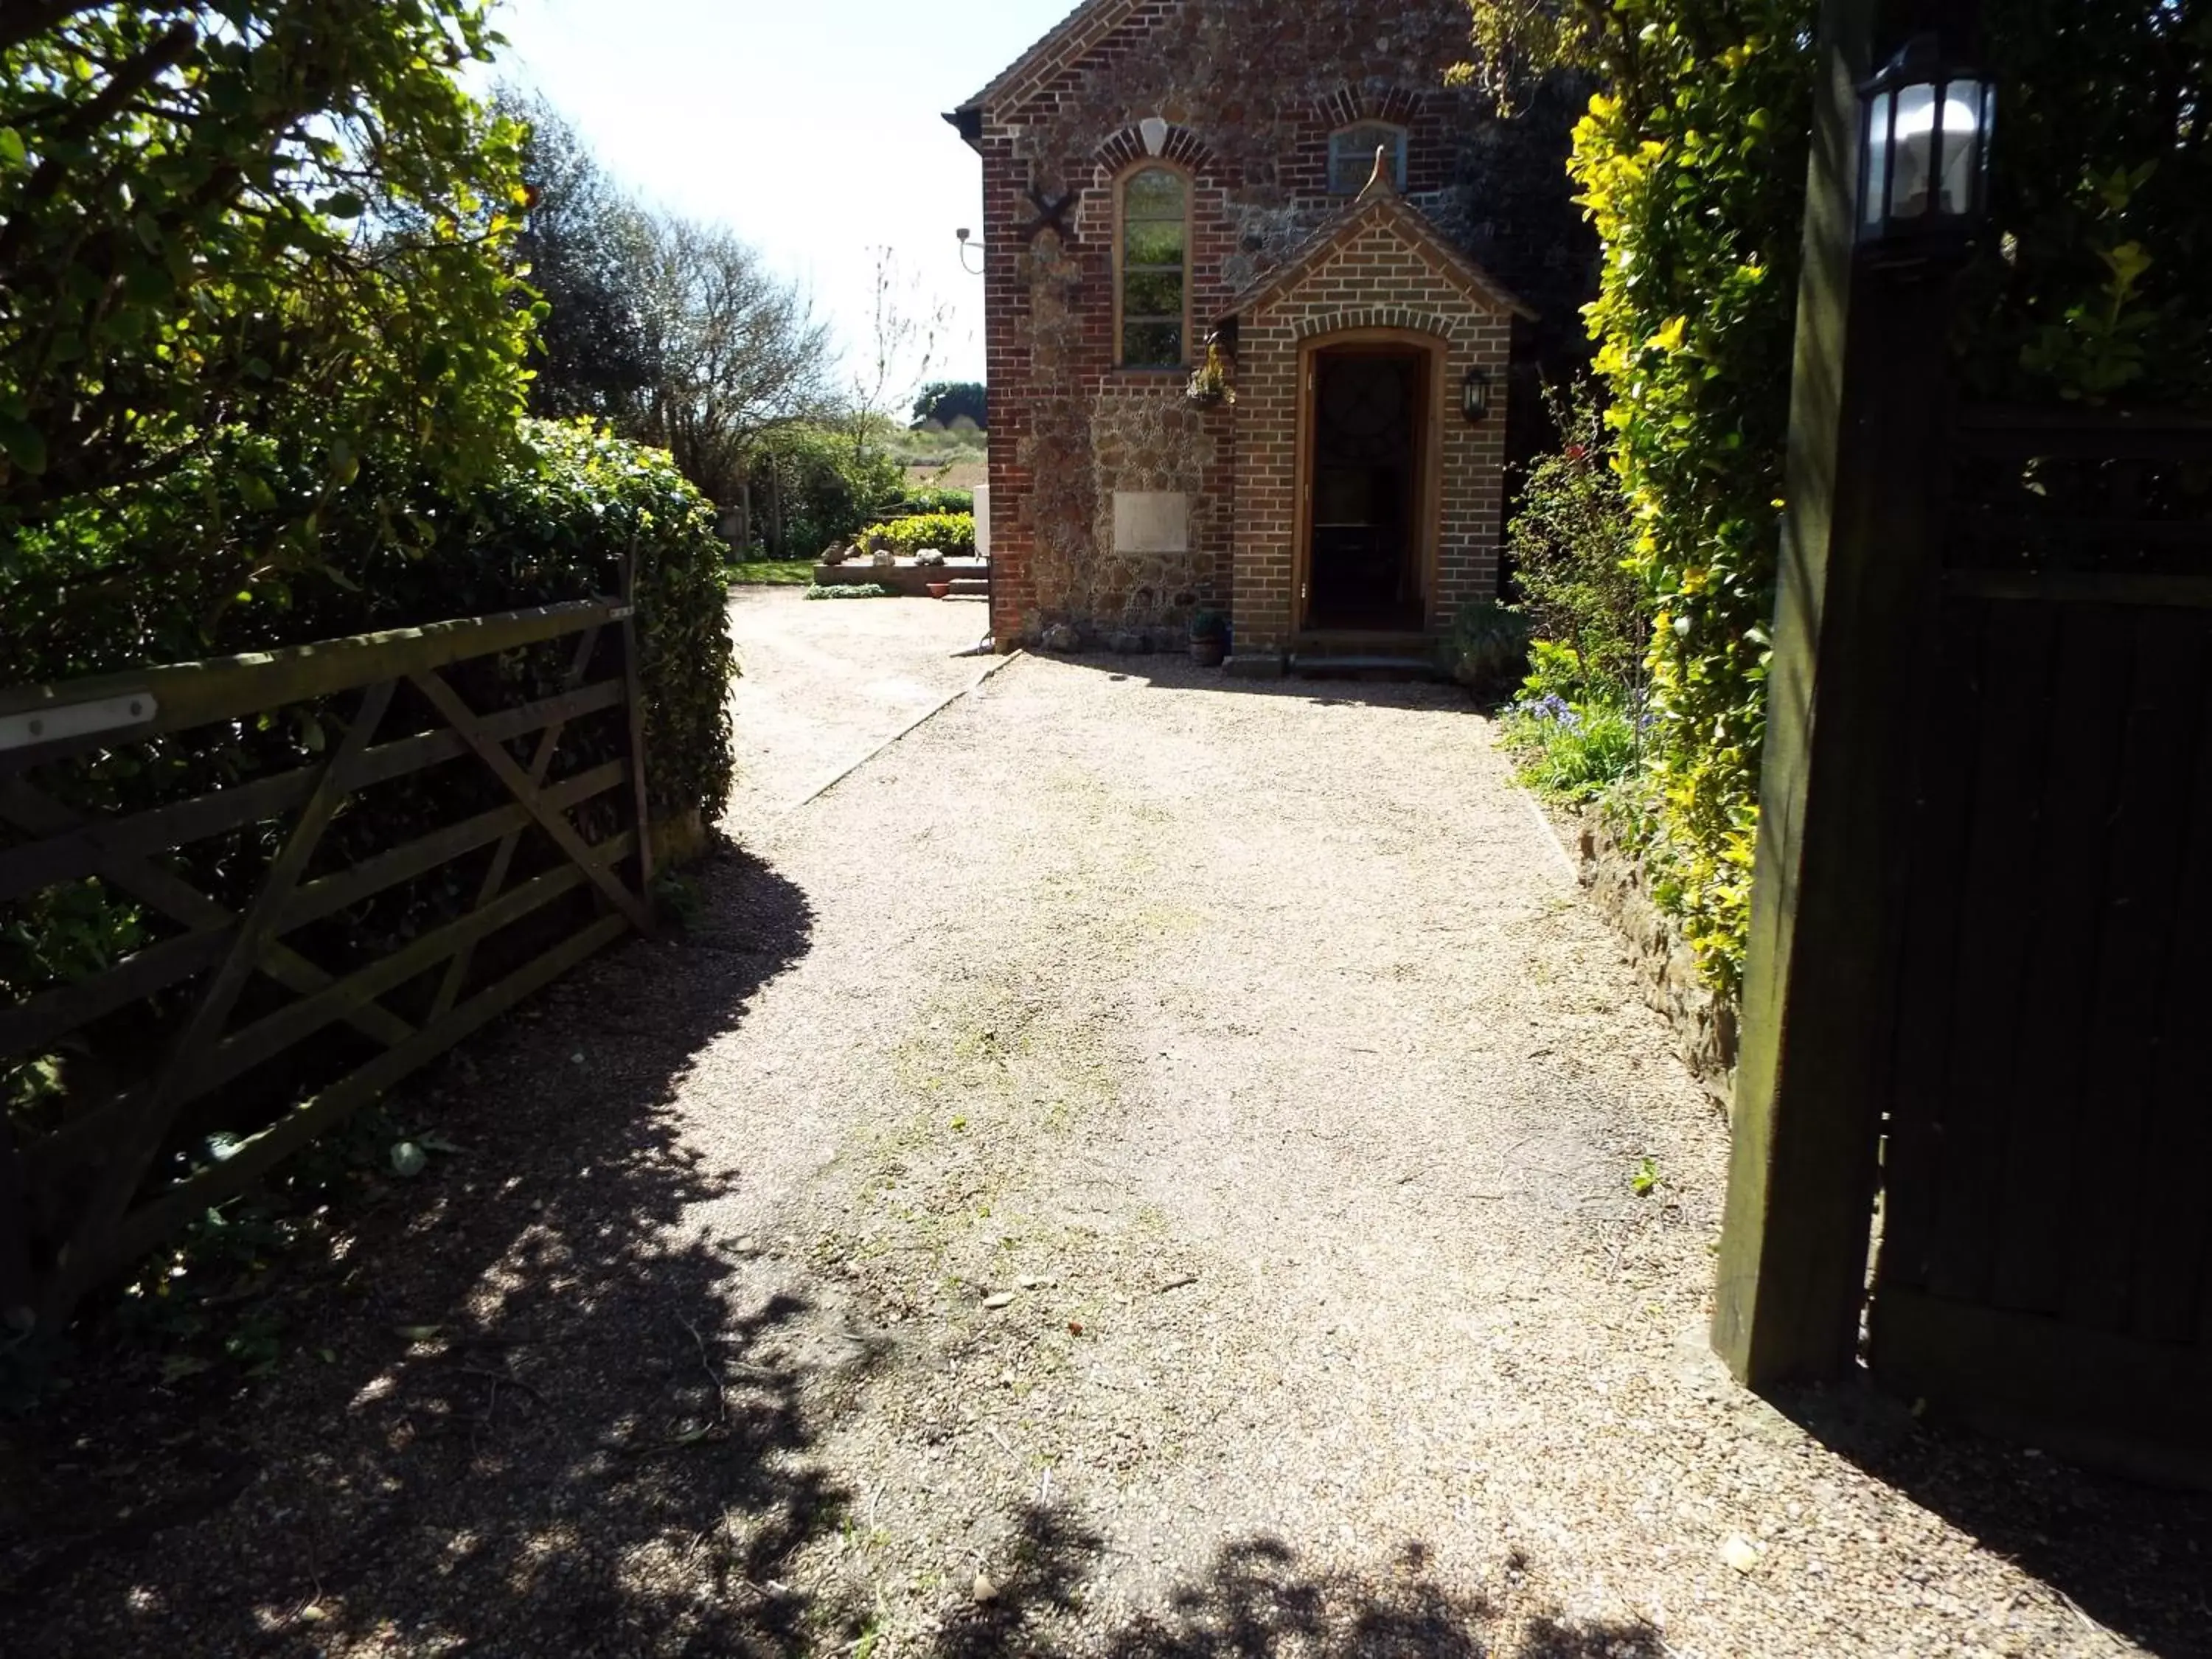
(1151, 521)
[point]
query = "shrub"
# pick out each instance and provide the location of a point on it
(556, 527)
(1570, 543)
(850, 590)
(556, 523)
(1692, 162)
(96, 594)
(952, 533)
(1571, 752)
(1489, 645)
(831, 489)
(1554, 670)
(1693, 169)
(916, 502)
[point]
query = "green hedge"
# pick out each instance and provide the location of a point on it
(1693, 168)
(916, 502)
(950, 533)
(105, 591)
(555, 524)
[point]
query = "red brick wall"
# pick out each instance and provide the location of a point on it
(1250, 91)
(1374, 281)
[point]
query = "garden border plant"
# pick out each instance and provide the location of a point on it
(1691, 162)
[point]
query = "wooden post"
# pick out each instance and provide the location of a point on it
(774, 509)
(1867, 426)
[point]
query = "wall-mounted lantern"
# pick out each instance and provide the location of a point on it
(1923, 156)
(966, 236)
(1474, 396)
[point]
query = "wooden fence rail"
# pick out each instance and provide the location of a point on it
(247, 1019)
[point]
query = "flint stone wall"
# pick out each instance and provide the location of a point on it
(1243, 94)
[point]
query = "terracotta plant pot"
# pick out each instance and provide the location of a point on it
(1207, 650)
(937, 590)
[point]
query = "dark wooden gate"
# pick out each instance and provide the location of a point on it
(368, 847)
(2046, 1255)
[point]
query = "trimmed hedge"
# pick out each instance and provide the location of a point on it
(950, 533)
(558, 524)
(108, 590)
(916, 502)
(555, 524)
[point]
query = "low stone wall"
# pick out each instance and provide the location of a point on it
(1150, 642)
(1704, 1022)
(904, 577)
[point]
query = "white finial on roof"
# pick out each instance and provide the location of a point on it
(1384, 181)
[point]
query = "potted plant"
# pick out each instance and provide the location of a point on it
(1209, 638)
(1209, 382)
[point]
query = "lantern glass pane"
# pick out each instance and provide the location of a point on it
(1878, 143)
(1913, 164)
(1989, 136)
(1961, 144)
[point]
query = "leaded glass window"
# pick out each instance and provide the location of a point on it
(1155, 268)
(1351, 157)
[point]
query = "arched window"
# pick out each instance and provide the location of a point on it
(1155, 270)
(1351, 157)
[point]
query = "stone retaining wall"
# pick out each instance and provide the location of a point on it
(1704, 1022)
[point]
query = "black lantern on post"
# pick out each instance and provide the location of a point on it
(1924, 157)
(1474, 396)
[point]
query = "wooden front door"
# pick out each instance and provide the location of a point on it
(1367, 447)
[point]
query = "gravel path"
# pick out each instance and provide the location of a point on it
(1144, 1166)
(826, 680)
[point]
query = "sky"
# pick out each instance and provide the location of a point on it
(812, 128)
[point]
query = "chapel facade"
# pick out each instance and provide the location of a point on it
(1262, 309)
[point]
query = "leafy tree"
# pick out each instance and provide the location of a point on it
(823, 492)
(2101, 186)
(583, 245)
(261, 214)
(736, 351)
(947, 401)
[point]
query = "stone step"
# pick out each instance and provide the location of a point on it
(1395, 665)
(977, 585)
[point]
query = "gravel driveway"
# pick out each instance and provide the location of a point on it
(1147, 1165)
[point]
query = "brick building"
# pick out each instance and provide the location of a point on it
(1296, 189)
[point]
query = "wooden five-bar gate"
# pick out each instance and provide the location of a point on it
(330, 864)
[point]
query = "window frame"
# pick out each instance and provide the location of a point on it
(1404, 144)
(1121, 183)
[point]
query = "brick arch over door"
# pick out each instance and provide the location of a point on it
(1377, 317)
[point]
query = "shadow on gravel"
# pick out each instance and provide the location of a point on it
(1255, 1602)
(506, 1411)
(1379, 688)
(2135, 1559)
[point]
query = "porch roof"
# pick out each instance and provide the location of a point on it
(1379, 205)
